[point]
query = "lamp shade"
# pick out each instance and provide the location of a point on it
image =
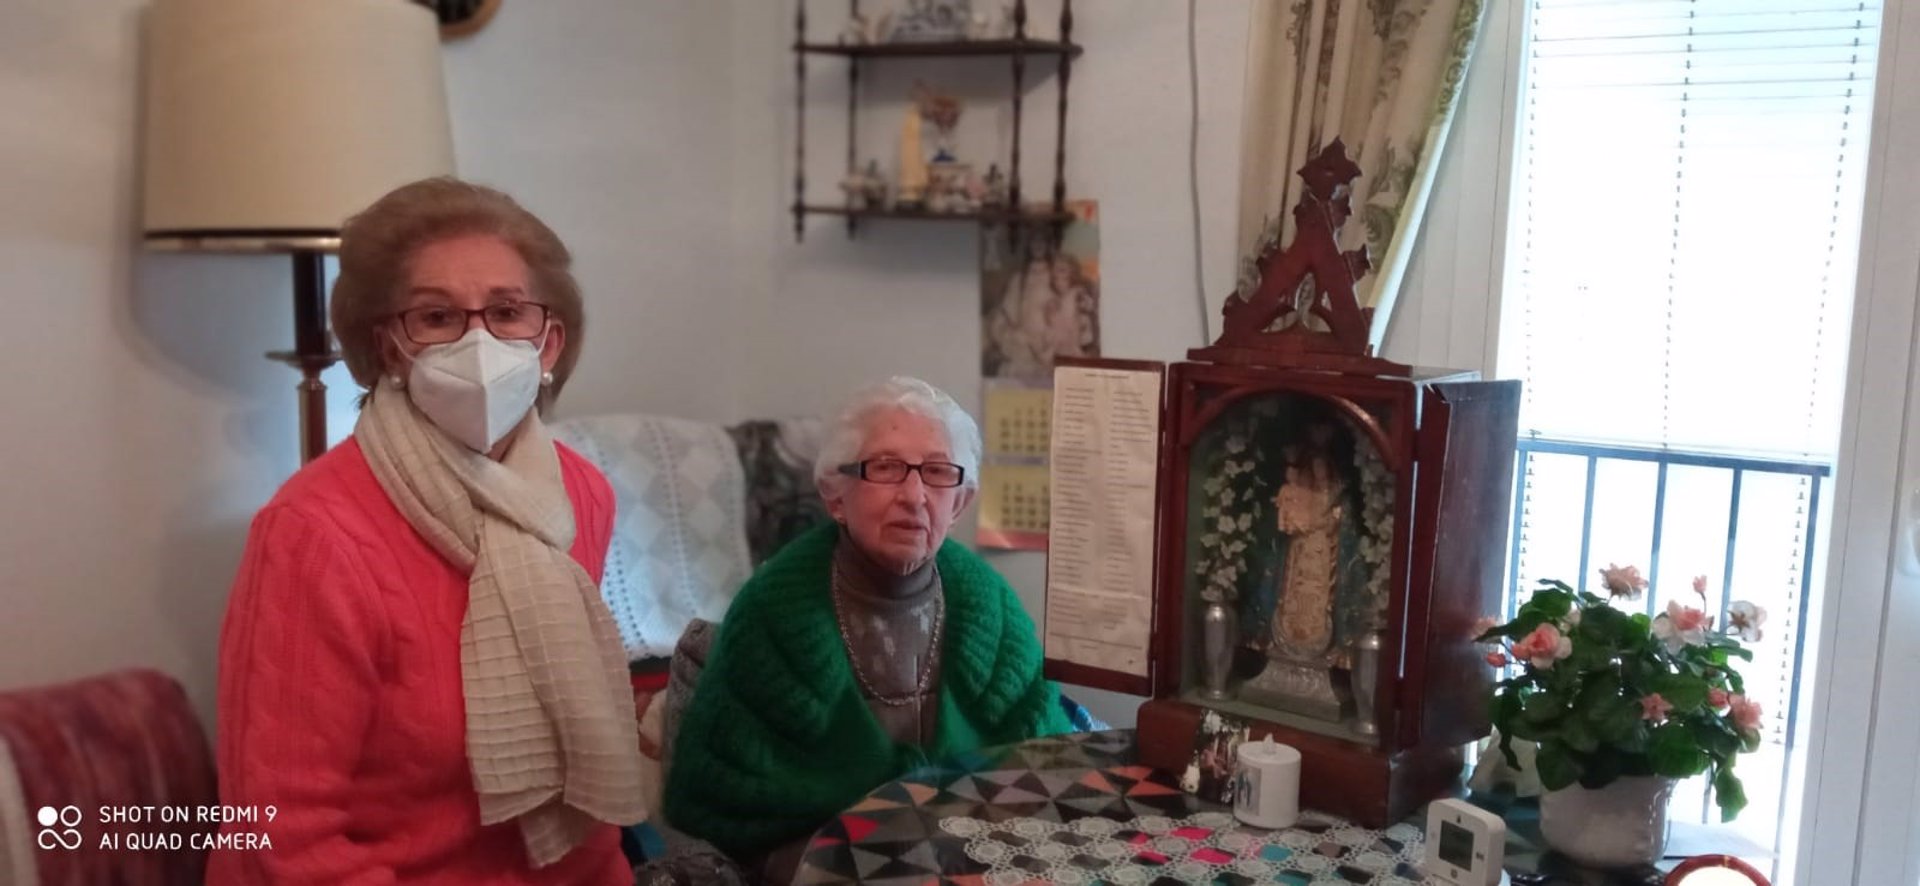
(266, 120)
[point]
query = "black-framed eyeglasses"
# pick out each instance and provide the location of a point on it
(937, 474)
(507, 321)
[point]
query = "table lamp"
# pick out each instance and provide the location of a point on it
(267, 123)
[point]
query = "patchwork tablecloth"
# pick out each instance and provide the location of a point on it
(1075, 809)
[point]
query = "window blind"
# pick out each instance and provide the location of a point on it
(1690, 175)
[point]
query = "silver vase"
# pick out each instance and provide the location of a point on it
(1366, 682)
(1217, 634)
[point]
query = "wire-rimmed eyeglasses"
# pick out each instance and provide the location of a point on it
(507, 321)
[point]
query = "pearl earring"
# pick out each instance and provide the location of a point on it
(396, 382)
(546, 379)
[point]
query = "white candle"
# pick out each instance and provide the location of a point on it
(1266, 786)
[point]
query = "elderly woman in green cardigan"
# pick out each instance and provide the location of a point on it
(861, 649)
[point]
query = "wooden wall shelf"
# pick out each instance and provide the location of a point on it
(943, 48)
(988, 216)
(1015, 50)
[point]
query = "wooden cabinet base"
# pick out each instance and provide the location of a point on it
(1363, 784)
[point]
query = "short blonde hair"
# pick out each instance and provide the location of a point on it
(377, 246)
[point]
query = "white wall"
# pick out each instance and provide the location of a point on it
(612, 120)
(142, 426)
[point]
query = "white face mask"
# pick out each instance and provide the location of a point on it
(478, 388)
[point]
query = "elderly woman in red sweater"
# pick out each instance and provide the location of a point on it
(417, 670)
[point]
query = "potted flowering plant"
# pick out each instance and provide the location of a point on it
(1619, 705)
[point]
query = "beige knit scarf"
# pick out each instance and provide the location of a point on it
(551, 732)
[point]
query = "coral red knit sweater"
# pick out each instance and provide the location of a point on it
(340, 699)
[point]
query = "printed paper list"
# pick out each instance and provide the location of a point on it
(1106, 440)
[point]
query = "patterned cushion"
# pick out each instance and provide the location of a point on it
(679, 548)
(782, 502)
(123, 739)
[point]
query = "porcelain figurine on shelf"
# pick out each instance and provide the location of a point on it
(995, 23)
(879, 26)
(948, 188)
(856, 31)
(876, 186)
(993, 189)
(930, 21)
(855, 187)
(865, 188)
(976, 193)
(942, 111)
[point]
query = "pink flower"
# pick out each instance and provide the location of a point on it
(1484, 624)
(1623, 581)
(1497, 659)
(1700, 586)
(1543, 647)
(1680, 627)
(1653, 707)
(1744, 620)
(1717, 698)
(1745, 713)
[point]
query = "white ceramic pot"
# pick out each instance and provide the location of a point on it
(1622, 825)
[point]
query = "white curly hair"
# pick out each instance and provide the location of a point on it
(846, 434)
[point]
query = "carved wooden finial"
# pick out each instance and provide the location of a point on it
(1303, 310)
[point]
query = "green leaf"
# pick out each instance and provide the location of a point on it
(1602, 623)
(1617, 720)
(1578, 735)
(1548, 605)
(1715, 736)
(1602, 769)
(1506, 706)
(1730, 793)
(1524, 623)
(1542, 708)
(1637, 740)
(1557, 766)
(1685, 693)
(1674, 753)
(1556, 584)
(1598, 695)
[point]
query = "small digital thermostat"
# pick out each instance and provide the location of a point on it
(1465, 845)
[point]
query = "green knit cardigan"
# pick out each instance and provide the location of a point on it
(777, 739)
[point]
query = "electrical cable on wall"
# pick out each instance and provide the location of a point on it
(1193, 162)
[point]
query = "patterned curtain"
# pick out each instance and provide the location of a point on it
(1383, 76)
